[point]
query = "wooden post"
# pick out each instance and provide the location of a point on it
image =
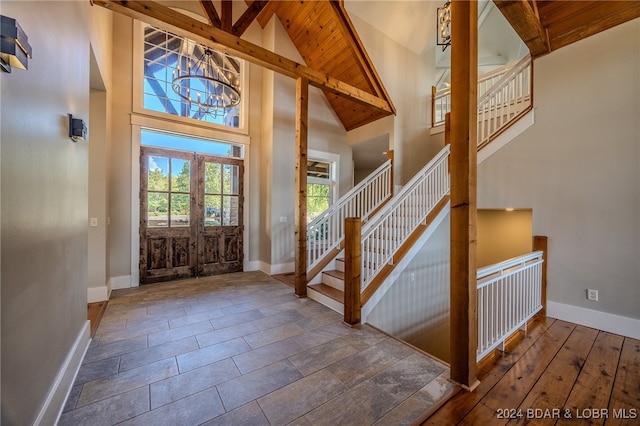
(447, 136)
(433, 105)
(300, 216)
(352, 266)
(447, 128)
(464, 100)
(540, 243)
(391, 181)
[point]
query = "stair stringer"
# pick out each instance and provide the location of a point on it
(509, 134)
(404, 263)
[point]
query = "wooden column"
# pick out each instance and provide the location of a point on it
(464, 100)
(300, 216)
(540, 243)
(352, 267)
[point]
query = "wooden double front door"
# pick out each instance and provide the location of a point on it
(190, 214)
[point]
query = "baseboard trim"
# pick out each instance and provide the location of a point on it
(252, 265)
(624, 326)
(122, 281)
(57, 397)
(282, 268)
(98, 294)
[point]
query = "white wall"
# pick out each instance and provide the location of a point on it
(44, 204)
(578, 167)
(325, 133)
(416, 307)
(408, 78)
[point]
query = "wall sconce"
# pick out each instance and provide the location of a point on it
(443, 27)
(77, 129)
(15, 50)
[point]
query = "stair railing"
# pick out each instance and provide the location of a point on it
(499, 106)
(502, 95)
(384, 234)
(509, 295)
(326, 232)
(441, 100)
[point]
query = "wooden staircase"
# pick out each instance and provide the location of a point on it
(330, 291)
(506, 96)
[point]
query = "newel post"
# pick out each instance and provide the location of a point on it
(433, 105)
(540, 243)
(352, 266)
(390, 157)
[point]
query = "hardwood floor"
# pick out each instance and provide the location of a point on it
(560, 373)
(95, 311)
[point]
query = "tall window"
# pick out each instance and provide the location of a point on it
(318, 188)
(168, 56)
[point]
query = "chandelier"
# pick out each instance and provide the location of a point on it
(205, 85)
(444, 26)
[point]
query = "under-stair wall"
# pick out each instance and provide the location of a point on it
(416, 307)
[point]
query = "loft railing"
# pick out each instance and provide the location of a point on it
(503, 94)
(325, 233)
(393, 225)
(509, 294)
(441, 99)
(504, 101)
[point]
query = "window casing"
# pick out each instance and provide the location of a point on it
(158, 55)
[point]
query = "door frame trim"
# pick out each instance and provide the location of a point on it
(138, 122)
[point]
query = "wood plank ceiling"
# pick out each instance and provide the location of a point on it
(327, 41)
(548, 25)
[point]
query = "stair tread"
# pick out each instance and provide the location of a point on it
(335, 273)
(329, 291)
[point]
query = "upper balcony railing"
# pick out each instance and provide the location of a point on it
(503, 94)
(325, 233)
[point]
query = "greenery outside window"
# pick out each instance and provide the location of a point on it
(319, 193)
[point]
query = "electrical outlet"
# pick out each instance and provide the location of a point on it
(592, 294)
(413, 276)
(93, 221)
(283, 219)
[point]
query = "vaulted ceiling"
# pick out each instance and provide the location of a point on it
(327, 41)
(334, 57)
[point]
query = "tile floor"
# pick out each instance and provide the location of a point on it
(243, 349)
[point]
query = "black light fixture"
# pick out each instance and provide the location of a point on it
(207, 85)
(443, 28)
(15, 50)
(77, 129)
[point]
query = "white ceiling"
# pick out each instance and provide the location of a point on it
(410, 23)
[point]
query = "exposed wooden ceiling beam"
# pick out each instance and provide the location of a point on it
(210, 10)
(226, 15)
(526, 23)
(248, 16)
(585, 19)
(357, 49)
(162, 16)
